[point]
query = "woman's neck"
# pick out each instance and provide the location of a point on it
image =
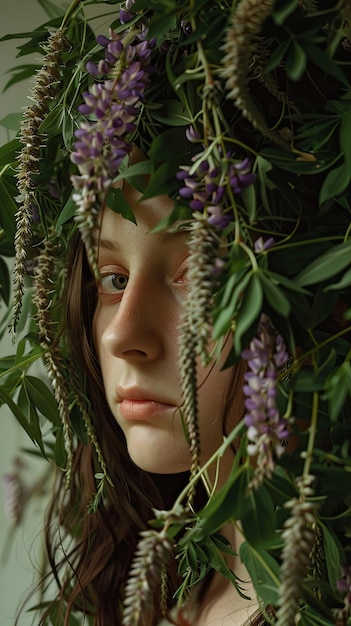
(220, 603)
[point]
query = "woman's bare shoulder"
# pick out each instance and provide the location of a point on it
(180, 616)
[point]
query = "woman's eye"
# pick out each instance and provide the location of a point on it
(182, 273)
(113, 283)
(182, 277)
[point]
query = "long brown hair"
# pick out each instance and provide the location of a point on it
(92, 571)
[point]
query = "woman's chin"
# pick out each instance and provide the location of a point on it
(159, 463)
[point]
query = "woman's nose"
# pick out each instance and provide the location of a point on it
(136, 329)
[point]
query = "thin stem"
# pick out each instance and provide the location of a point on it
(227, 441)
(311, 436)
(69, 12)
(302, 358)
(250, 254)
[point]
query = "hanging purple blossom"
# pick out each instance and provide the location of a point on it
(114, 104)
(126, 14)
(266, 428)
(209, 188)
(261, 245)
(111, 108)
(344, 585)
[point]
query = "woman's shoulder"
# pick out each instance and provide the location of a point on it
(182, 616)
(179, 616)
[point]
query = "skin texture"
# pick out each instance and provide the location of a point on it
(141, 295)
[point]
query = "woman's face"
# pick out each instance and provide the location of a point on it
(141, 295)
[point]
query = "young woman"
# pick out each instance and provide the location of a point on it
(190, 252)
(131, 331)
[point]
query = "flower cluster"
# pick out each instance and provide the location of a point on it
(299, 535)
(113, 106)
(101, 143)
(46, 85)
(266, 428)
(344, 586)
(210, 188)
(126, 14)
(152, 554)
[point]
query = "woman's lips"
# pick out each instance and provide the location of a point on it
(131, 409)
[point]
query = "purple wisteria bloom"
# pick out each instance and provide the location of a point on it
(344, 585)
(111, 108)
(266, 428)
(261, 245)
(209, 188)
(126, 13)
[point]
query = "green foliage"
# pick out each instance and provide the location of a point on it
(296, 73)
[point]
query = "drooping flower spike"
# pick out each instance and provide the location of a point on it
(104, 140)
(266, 428)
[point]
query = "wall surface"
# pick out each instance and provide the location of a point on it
(20, 550)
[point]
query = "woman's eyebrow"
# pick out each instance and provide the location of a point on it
(107, 244)
(167, 237)
(164, 238)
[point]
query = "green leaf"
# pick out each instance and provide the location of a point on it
(51, 8)
(336, 181)
(29, 409)
(162, 181)
(11, 121)
(263, 571)
(66, 214)
(224, 316)
(249, 311)
(59, 450)
(320, 58)
(18, 413)
(248, 196)
(282, 10)
(172, 113)
(286, 282)
(5, 288)
(170, 137)
(332, 551)
(258, 517)
(277, 56)
(234, 284)
(309, 617)
(180, 212)
(327, 265)
(337, 388)
(9, 152)
(275, 296)
(116, 201)
(20, 73)
(345, 137)
(225, 504)
(42, 397)
(296, 62)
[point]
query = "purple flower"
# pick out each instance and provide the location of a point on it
(209, 189)
(266, 428)
(261, 245)
(111, 108)
(344, 585)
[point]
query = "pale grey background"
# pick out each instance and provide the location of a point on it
(23, 548)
